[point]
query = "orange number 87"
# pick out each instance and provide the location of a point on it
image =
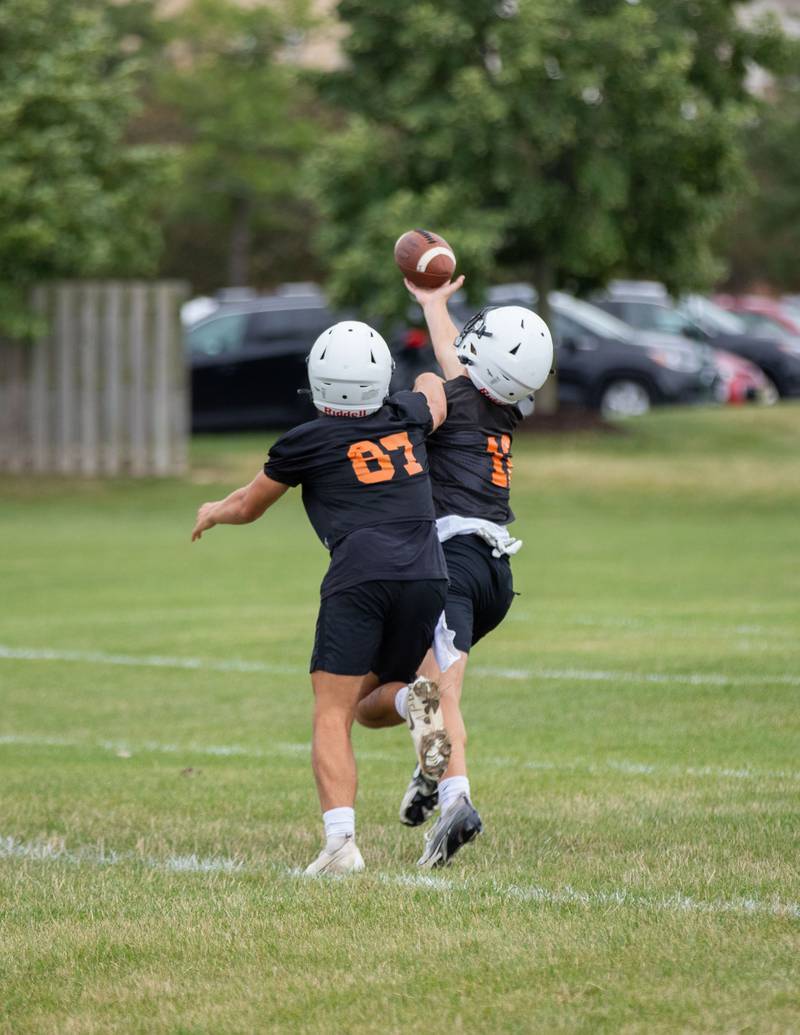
(361, 453)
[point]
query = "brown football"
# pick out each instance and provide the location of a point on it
(425, 258)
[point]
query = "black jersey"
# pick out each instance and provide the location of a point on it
(367, 491)
(470, 455)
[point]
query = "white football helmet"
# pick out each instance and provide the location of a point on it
(508, 352)
(349, 369)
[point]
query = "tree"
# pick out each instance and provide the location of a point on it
(75, 198)
(563, 141)
(240, 110)
(762, 236)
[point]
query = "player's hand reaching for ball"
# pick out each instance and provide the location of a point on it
(432, 296)
(204, 521)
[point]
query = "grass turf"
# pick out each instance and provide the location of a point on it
(634, 727)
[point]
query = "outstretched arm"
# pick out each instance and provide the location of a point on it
(241, 507)
(442, 330)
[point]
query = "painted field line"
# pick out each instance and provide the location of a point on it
(127, 748)
(56, 851)
(676, 902)
(240, 665)
(629, 768)
(146, 660)
(584, 675)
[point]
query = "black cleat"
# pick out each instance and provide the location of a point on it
(457, 827)
(419, 801)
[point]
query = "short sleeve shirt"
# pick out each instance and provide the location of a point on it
(367, 491)
(470, 455)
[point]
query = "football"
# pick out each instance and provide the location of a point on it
(425, 258)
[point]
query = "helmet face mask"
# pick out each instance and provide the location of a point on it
(349, 370)
(508, 352)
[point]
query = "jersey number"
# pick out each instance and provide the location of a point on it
(501, 461)
(362, 454)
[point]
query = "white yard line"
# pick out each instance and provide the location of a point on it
(56, 851)
(676, 902)
(567, 895)
(240, 665)
(744, 772)
(145, 660)
(588, 675)
(126, 749)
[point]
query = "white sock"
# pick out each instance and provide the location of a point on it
(401, 702)
(339, 823)
(450, 789)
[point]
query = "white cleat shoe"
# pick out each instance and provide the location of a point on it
(340, 858)
(426, 723)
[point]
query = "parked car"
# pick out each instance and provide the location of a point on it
(739, 380)
(761, 314)
(248, 358)
(742, 381)
(603, 365)
(647, 306)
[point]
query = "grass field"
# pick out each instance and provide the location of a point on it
(634, 751)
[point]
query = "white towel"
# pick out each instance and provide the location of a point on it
(497, 536)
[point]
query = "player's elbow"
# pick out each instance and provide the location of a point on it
(427, 381)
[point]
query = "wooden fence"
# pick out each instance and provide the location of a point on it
(105, 389)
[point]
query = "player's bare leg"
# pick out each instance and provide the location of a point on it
(422, 794)
(335, 702)
(459, 822)
(377, 708)
(450, 686)
(418, 704)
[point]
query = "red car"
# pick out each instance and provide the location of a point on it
(761, 314)
(742, 381)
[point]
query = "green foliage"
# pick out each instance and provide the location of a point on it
(240, 111)
(762, 236)
(75, 198)
(560, 140)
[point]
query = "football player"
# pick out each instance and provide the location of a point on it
(363, 468)
(499, 359)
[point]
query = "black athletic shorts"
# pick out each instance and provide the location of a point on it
(385, 627)
(481, 589)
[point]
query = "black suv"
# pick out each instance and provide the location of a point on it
(248, 359)
(604, 365)
(647, 307)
